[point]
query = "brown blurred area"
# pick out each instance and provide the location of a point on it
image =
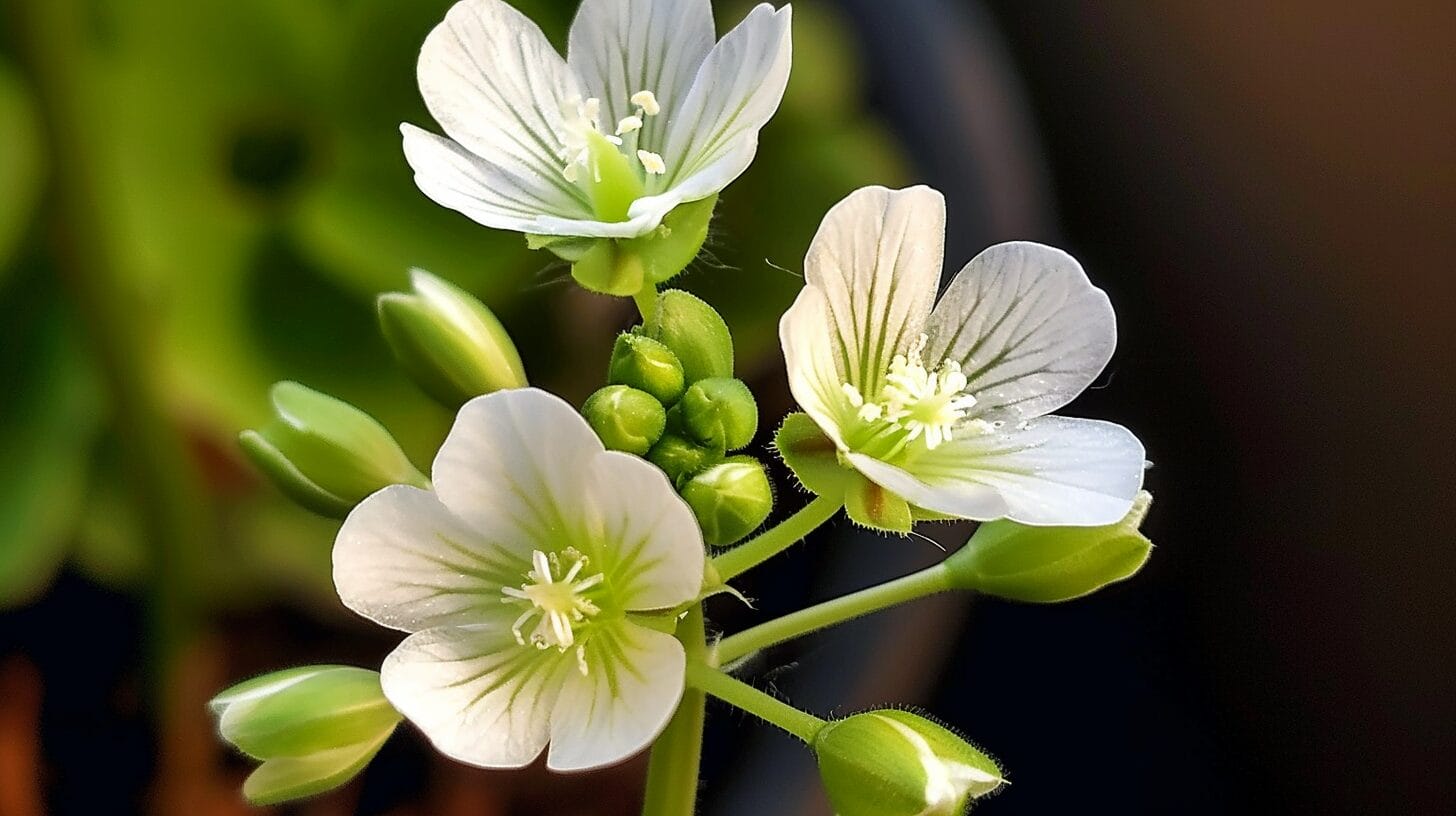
(1280, 179)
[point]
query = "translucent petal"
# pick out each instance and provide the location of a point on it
(622, 703)
(480, 697)
(404, 561)
(1028, 328)
(811, 358)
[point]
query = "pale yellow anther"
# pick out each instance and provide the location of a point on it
(651, 162)
(647, 101)
(631, 124)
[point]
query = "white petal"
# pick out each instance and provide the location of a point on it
(713, 132)
(1028, 328)
(497, 87)
(404, 561)
(646, 540)
(812, 360)
(1047, 471)
(518, 459)
(618, 48)
(622, 703)
(480, 697)
(877, 259)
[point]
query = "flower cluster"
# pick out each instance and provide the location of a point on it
(549, 574)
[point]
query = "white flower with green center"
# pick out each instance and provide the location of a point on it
(526, 578)
(645, 113)
(944, 404)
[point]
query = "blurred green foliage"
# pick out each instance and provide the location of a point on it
(244, 162)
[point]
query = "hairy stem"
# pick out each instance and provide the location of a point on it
(763, 706)
(672, 772)
(775, 540)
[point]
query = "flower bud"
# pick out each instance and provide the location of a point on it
(1049, 564)
(681, 458)
(894, 763)
(625, 418)
(448, 342)
(695, 332)
(647, 365)
(731, 499)
(324, 453)
(314, 728)
(720, 412)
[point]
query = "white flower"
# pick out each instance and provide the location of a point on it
(644, 113)
(521, 577)
(946, 407)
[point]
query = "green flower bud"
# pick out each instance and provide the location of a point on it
(646, 365)
(314, 728)
(894, 763)
(731, 499)
(720, 412)
(625, 418)
(695, 332)
(681, 458)
(448, 342)
(324, 453)
(1049, 564)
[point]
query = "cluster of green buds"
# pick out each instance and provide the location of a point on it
(313, 728)
(328, 455)
(672, 397)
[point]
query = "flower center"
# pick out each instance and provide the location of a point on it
(583, 142)
(554, 596)
(914, 403)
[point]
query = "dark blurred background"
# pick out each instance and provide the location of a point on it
(201, 198)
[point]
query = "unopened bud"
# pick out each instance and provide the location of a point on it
(448, 342)
(324, 453)
(731, 499)
(314, 728)
(681, 458)
(894, 763)
(647, 365)
(720, 412)
(625, 418)
(695, 332)
(1049, 564)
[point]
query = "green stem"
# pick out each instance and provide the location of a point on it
(916, 585)
(672, 772)
(646, 300)
(775, 540)
(763, 706)
(161, 475)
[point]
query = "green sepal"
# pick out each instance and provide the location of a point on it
(569, 248)
(608, 269)
(812, 456)
(669, 249)
(1051, 564)
(647, 365)
(288, 479)
(285, 779)
(730, 499)
(695, 332)
(625, 418)
(720, 412)
(872, 506)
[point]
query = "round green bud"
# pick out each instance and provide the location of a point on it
(721, 412)
(894, 763)
(1050, 564)
(324, 453)
(647, 365)
(448, 342)
(681, 458)
(625, 418)
(695, 332)
(314, 728)
(731, 499)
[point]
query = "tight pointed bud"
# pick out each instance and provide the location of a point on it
(695, 332)
(647, 365)
(731, 499)
(324, 453)
(894, 763)
(720, 412)
(1050, 564)
(314, 728)
(681, 458)
(448, 342)
(625, 418)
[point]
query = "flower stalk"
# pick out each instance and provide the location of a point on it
(672, 770)
(766, 707)
(776, 539)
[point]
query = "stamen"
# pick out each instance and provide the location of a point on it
(651, 162)
(631, 124)
(554, 598)
(647, 101)
(916, 403)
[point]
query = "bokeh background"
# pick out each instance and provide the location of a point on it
(200, 198)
